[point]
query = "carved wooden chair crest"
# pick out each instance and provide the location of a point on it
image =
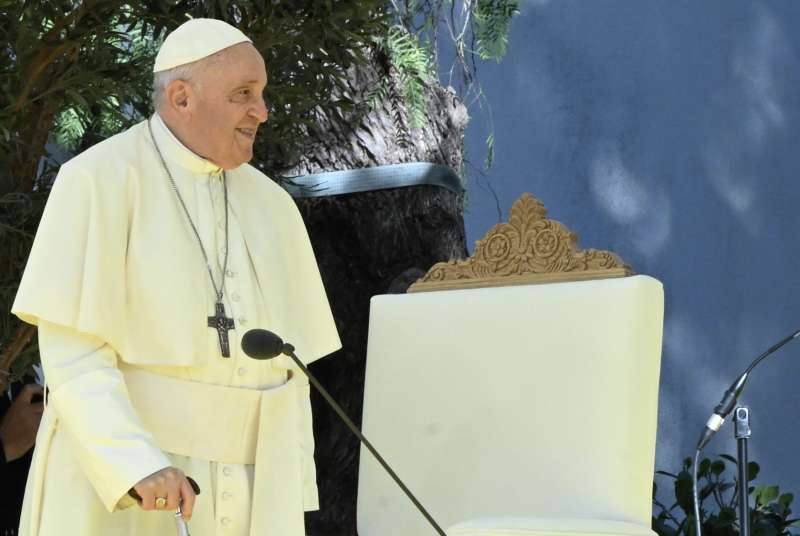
(528, 249)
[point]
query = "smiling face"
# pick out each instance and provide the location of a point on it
(217, 113)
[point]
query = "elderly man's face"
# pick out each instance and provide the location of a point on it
(229, 106)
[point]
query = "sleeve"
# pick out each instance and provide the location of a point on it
(89, 395)
(309, 468)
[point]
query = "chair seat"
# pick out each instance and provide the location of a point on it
(528, 526)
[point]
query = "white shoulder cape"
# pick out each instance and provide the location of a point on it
(115, 258)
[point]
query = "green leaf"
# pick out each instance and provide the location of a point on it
(727, 514)
(766, 494)
(683, 492)
(752, 471)
(490, 154)
(718, 467)
(764, 528)
(705, 465)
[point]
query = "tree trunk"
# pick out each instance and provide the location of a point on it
(372, 243)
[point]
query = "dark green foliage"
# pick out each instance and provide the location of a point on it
(80, 70)
(84, 67)
(770, 510)
(474, 28)
(19, 217)
(492, 21)
(413, 65)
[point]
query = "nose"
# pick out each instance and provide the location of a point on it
(259, 111)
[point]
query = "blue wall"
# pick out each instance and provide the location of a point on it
(667, 131)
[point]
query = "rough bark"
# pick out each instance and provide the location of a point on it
(373, 243)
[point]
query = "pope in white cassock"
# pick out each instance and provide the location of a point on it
(158, 249)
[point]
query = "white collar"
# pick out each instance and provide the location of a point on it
(175, 151)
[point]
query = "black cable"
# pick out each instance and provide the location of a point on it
(771, 350)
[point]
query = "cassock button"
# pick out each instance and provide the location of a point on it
(226, 521)
(235, 296)
(226, 471)
(226, 495)
(241, 371)
(230, 273)
(242, 321)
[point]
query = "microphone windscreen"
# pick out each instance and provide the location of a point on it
(262, 344)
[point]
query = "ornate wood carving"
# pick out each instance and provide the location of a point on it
(528, 249)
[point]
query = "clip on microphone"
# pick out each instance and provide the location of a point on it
(262, 345)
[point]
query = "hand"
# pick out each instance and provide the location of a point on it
(19, 425)
(171, 483)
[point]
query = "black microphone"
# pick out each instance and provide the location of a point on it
(262, 345)
(730, 397)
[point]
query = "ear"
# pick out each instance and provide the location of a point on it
(180, 96)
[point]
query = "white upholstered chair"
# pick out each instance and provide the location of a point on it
(516, 410)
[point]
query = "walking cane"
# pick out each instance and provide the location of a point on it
(180, 523)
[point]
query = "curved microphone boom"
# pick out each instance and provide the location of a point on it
(262, 345)
(730, 397)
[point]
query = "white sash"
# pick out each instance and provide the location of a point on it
(231, 425)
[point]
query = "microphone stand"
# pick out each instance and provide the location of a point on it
(714, 423)
(741, 421)
(288, 350)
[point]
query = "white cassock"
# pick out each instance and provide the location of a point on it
(118, 286)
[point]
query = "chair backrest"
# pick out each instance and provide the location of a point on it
(534, 400)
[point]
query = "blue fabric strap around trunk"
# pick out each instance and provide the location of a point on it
(373, 178)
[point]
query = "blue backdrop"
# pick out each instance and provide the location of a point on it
(666, 131)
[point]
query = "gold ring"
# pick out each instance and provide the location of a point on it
(161, 503)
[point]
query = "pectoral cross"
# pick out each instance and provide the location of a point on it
(222, 324)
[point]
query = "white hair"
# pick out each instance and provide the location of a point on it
(162, 79)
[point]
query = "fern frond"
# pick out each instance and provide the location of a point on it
(69, 128)
(492, 21)
(412, 63)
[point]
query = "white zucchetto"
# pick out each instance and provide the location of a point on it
(194, 40)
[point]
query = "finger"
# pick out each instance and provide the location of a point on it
(188, 499)
(173, 499)
(29, 390)
(148, 500)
